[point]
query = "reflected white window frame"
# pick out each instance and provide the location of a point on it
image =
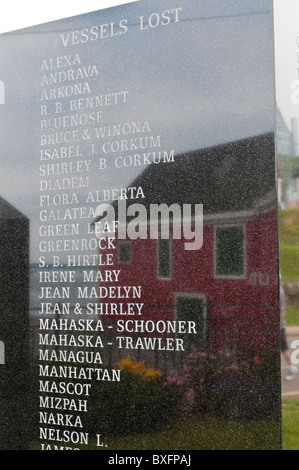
(2, 353)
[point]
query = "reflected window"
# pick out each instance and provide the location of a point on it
(164, 258)
(125, 252)
(230, 251)
(192, 308)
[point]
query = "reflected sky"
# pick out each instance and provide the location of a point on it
(201, 81)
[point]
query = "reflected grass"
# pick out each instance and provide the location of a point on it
(290, 425)
(292, 315)
(289, 262)
(204, 435)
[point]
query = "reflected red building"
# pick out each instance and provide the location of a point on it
(229, 287)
